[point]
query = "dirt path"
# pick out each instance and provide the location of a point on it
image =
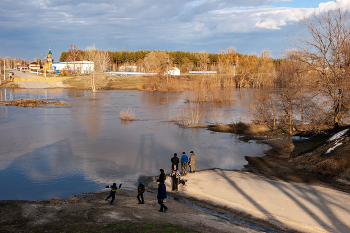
(91, 213)
(32, 80)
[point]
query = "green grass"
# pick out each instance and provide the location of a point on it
(134, 227)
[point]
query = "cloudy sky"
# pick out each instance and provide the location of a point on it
(29, 27)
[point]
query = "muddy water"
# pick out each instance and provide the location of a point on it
(55, 151)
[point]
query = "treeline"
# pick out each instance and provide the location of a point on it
(120, 57)
(247, 70)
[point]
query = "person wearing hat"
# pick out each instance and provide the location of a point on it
(140, 191)
(174, 162)
(161, 195)
(184, 161)
(112, 193)
(191, 162)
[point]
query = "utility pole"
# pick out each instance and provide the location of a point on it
(4, 68)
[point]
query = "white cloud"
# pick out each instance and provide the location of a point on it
(152, 24)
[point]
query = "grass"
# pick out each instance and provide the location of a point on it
(127, 115)
(106, 82)
(135, 227)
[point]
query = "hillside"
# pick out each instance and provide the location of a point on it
(322, 160)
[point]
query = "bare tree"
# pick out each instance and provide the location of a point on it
(74, 54)
(157, 62)
(103, 61)
(325, 46)
(90, 54)
(203, 60)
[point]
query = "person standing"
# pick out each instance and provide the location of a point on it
(192, 162)
(162, 176)
(140, 191)
(112, 193)
(161, 195)
(175, 162)
(175, 177)
(184, 161)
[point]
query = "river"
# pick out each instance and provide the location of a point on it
(56, 151)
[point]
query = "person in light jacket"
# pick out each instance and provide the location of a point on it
(192, 162)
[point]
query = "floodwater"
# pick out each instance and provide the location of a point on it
(56, 151)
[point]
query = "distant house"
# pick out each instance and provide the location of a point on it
(202, 72)
(22, 67)
(126, 68)
(84, 67)
(174, 71)
(34, 66)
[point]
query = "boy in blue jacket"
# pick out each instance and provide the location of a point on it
(161, 195)
(112, 193)
(184, 161)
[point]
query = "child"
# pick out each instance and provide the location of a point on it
(161, 195)
(112, 193)
(140, 191)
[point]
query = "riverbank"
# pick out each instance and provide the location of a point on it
(91, 213)
(256, 203)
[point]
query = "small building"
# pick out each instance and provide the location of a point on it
(83, 67)
(174, 71)
(34, 66)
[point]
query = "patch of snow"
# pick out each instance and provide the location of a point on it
(338, 135)
(335, 145)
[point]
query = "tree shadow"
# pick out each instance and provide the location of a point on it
(310, 200)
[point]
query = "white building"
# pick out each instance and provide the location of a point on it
(84, 67)
(174, 71)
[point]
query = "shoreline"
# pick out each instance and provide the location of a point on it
(251, 198)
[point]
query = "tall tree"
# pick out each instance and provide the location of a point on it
(74, 54)
(325, 47)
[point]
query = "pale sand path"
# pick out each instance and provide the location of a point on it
(306, 208)
(32, 80)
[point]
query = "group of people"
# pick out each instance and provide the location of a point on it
(187, 164)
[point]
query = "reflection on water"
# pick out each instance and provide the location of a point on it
(56, 151)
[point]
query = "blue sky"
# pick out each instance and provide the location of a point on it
(29, 27)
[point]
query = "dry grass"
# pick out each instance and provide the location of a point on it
(187, 116)
(127, 115)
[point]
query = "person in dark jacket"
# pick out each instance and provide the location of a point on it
(175, 162)
(175, 177)
(161, 195)
(140, 191)
(112, 193)
(162, 176)
(184, 161)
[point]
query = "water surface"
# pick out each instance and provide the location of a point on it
(56, 151)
